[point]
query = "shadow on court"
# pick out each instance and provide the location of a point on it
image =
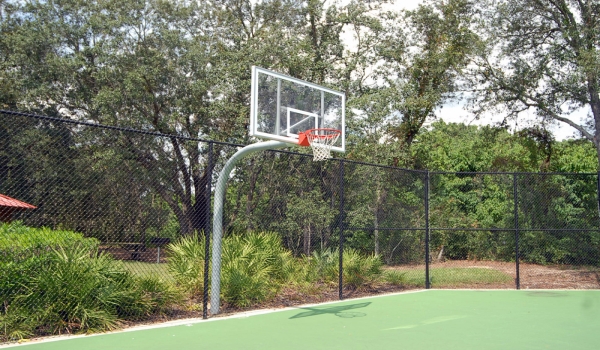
(339, 311)
(547, 294)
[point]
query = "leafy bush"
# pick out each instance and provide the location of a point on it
(253, 268)
(160, 295)
(395, 277)
(321, 266)
(18, 240)
(544, 248)
(360, 269)
(26, 255)
(69, 287)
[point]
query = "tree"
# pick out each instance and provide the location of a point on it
(470, 199)
(179, 68)
(541, 56)
(425, 54)
(155, 66)
(418, 58)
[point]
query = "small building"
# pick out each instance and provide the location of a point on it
(9, 206)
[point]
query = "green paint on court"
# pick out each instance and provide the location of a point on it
(437, 319)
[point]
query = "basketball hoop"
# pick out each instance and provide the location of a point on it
(321, 141)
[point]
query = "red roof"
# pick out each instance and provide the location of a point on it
(6, 201)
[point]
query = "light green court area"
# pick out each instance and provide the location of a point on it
(434, 319)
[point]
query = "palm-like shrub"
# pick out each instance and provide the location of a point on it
(158, 294)
(360, 269)
(394, 277)
(323, 266)
(253, 266)
(186, 263)
(73, 292)
(81, 293)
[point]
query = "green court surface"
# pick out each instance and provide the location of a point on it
(434, 319)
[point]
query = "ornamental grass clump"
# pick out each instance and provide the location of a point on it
(394, 277)
(361, 269)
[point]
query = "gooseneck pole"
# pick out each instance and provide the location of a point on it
(217, 232)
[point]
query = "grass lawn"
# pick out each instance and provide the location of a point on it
(451, 277)
(143, 269)
(441, 277)
(460, 276)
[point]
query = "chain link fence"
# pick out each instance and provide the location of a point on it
(104, 226)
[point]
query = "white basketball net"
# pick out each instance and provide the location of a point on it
(321, 141)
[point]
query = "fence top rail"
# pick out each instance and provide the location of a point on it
(473, 229)
(514, 229)
(112, 127)
(507, 173)
(186, 138)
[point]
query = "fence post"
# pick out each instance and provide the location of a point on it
(598, 193)
(207, 231)
(516, 209)
(427, 283)
(341, 228)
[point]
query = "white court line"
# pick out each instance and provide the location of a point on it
(192, 321)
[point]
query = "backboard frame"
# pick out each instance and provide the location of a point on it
(290, 136)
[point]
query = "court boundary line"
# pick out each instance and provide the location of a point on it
(250, 313)
(196, 320)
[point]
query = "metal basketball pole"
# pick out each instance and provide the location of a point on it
(217, 232)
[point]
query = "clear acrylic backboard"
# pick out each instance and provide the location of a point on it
(281, 107)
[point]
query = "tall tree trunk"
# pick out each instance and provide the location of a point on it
(307, 243)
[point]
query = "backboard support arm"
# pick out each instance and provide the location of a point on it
(219, 201)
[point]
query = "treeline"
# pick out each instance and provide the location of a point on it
(473, 175)
(88, 188)
(183, 68)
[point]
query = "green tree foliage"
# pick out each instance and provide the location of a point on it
(542, 56)
(425, 53)
(45, 163)
(175, 68)
(470, 199)
(469, 148)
